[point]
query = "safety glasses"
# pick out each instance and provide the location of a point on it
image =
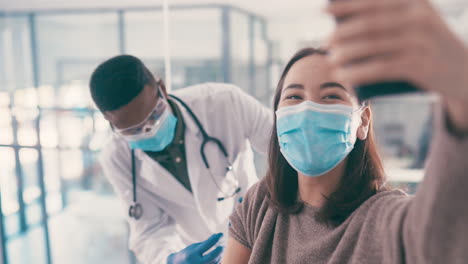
(150, 123)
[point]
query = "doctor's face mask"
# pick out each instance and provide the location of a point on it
(317, 119)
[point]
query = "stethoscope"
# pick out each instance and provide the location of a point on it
(136, 210)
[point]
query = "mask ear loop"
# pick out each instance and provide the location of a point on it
(113, 131)
(360, 110)
(364, 104)
(160, 84)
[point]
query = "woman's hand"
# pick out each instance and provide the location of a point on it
(385, 40)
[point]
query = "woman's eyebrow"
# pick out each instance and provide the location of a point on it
(294, 86)
(332, 84)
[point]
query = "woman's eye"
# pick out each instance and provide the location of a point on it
(332, 97)
(294, 97)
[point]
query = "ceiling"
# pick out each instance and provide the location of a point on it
(269, 8)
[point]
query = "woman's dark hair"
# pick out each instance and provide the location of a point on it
(364, 175)
(119, 80)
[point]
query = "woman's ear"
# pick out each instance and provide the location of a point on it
(363, 129)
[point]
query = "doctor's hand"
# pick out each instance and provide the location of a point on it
(194, 254)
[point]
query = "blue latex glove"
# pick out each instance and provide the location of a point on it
(193, 254)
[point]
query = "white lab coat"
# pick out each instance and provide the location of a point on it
(174, 218)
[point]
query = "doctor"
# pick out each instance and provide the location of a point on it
(180, 162)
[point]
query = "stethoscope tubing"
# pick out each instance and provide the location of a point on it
(136, 210)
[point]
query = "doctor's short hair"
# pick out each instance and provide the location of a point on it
(118, 80)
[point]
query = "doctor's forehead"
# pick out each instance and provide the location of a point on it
(313, 72)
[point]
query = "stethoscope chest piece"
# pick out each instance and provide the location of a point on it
(135, 211)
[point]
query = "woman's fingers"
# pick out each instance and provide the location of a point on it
(372, 24)
(340, 8)
(413, 16)
(375, 46)
(394, 67)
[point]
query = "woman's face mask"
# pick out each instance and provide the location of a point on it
(317, 118)
(315, 138)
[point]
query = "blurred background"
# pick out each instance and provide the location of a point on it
(55, 204)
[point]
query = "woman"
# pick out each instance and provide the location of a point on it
(324, 198)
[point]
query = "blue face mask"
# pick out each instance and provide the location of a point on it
(315, 138)
(162, 137)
